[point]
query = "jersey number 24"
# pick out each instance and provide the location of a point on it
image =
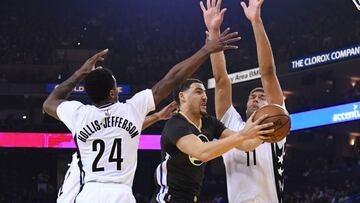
(116, 145)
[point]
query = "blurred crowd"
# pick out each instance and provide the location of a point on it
(144, 36)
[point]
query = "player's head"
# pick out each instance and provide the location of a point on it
(101, 86)
(257, 99)
(191, 95)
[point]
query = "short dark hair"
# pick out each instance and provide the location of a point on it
(183, 87)
(98, 84)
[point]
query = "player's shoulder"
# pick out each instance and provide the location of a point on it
(175, 118)
(208, 119)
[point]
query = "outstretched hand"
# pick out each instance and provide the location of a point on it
(167, 111)
(213, 17)
(89, 64)
(222, 42)
(252, 11)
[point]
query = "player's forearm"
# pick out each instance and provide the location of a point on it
(179, 73)
(264, 51)
(218, 62)
(63, 90)
(150, 120)
(61, 93)
(223, 94)
(214, 149)
(249, 145)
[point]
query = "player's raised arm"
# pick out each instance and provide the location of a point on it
(266, 62)
(186, 68)
(62, 91)
(213, 18)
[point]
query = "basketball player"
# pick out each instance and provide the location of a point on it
(252, 176)
(107, 133)
(71, 183)
(187, 143)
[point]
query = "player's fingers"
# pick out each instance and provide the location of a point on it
(172, 105)
(102, 53)
(264, 132)
(98, 56)
(265, 138)
(226, 31)
(202, 6)
(213, 3)
(222, 13)
(232, 40)
(218, 4)
(230, 47)
(259, 120)
(266, 125)
(227, 47)
(251, 118)
(229, 36)
(208, 4)
(243, 5)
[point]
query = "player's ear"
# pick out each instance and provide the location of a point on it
(112, 94)
(182, 97)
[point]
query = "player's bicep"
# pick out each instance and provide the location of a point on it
(190, 144)
(272, 89)
(223, 97)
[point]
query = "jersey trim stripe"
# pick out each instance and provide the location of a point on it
(82, 172)
(161, 173)
(105, 105)
(278, 166)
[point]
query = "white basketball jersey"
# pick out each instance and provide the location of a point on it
(107, 137)
(255, 176)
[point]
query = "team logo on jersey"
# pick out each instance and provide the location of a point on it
(193, 160)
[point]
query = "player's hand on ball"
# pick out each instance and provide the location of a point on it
(255, 129)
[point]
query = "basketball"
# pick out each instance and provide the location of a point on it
(281, 119)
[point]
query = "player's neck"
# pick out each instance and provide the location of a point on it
(193, 118)
(102, 103)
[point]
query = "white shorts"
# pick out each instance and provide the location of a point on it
(71, 185)
(105, 192)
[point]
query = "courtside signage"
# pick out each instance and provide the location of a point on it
(238, 77)
(325, 58)
(326, 116)
(80, 89)
(61, 140)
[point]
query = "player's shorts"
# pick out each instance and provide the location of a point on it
(71, 185)
(95, 192)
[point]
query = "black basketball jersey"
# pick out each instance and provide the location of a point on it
(180, 175)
